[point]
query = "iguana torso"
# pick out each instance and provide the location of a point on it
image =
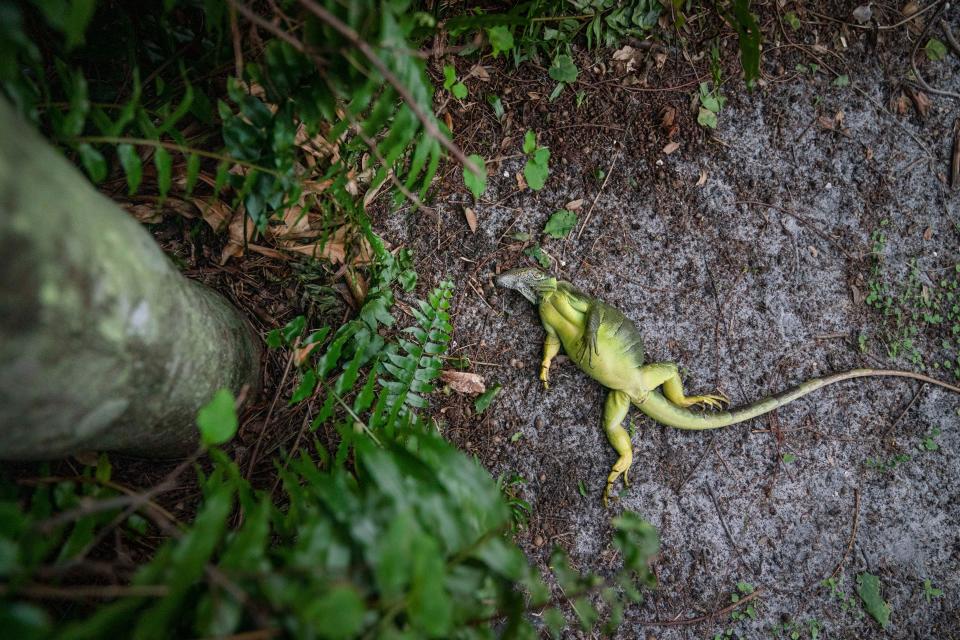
(607, 346)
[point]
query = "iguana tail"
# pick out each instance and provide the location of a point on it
(665, 412)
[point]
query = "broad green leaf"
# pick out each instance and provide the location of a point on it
(476, 181)
(529, 142)
(749, 35)
(337, 614)
(459, 91)
(868, 588)
(484, 399)
(217, 419)
(497, 105)
(501, 39)
(707, 118)
(560, 223)
(537, 253)
(93, 162)
(563, 69)
(935, 49)
(305, 389)
(535, 171)
(841, 81)
(164, 164)
(791, 19)
(293, 329)
(449, 76)
(132, 166)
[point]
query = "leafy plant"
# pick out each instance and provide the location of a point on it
(935, 49)
(476, 179)
(452, 84)
(711, 102)
(930, 592)
(536, 168)
(537, 253)
(482, 403)
(560, 224)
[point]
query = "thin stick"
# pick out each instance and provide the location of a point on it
(704, 618)
(266, 422)
(594, 203)
(853, 533)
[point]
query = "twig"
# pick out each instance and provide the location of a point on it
(726, 529)
(955, 156)
(913, 59)
(266, 422)
(853, 533)
(237, 46)
(704, 618)
(801, 219)
(136, 500)
(597, 197)
(887, 431)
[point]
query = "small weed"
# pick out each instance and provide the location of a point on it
(450, 82)
(847, 603)
(930, 592)
(582, 488)
(791, 630)
(537, 253)
(516, 436)
(743, 589)
(536, 169)
(888, 465)
(928, 443)
(788, 458)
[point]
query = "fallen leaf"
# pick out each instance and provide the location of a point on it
(869, 153)
(921, 102)
(628, 56)
(825, 122)
(667, 116)
(901, 104)
(660, 58)
(574, 205)
(215, 213)
(670, 148)
(863, 13)
(471, 217)
(909, 9)
(480, 73)
(521, 182)
(145, 213)
(301, 354)
(240, 232)
(463, 382)
(703, 178)
(928, 233)
(448, 120)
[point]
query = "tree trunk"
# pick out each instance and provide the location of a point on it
(104, 345)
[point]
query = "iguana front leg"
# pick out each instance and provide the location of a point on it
(614, 411)
(588, 343)
(551, 347)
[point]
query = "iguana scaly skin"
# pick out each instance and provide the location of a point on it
(608, 347)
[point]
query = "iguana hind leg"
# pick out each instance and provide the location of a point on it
(551, 347)
(614, 411)
(666, 374)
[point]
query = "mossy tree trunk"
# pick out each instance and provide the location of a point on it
(104, 345)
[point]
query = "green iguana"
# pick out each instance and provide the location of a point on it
(608, 347)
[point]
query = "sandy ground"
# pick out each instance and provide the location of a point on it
(746, 298)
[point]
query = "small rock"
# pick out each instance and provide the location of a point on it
(516, 364)
(538, 540)
(538, 423)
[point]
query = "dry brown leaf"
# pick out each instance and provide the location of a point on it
(667, 116)
(825, 122)
(478, 72)
(909, 9)
(670, 148)
(145, 213)
(921, 102)
(448, 120)
(335, 247)
(574, 205)
(627, 55)
(463, 382)
(521, 182)
(901, 104)
(660, 58)
(301, 354)
(240, 232)
(928, 233)
(703, 178)
(471, 217)
(215, 213)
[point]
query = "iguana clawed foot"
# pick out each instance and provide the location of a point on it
(713, 401)
(622, 467)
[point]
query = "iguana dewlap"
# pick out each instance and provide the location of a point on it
(608, 347)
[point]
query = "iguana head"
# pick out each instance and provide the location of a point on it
(531, 282)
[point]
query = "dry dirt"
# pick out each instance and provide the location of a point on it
(748, 298)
